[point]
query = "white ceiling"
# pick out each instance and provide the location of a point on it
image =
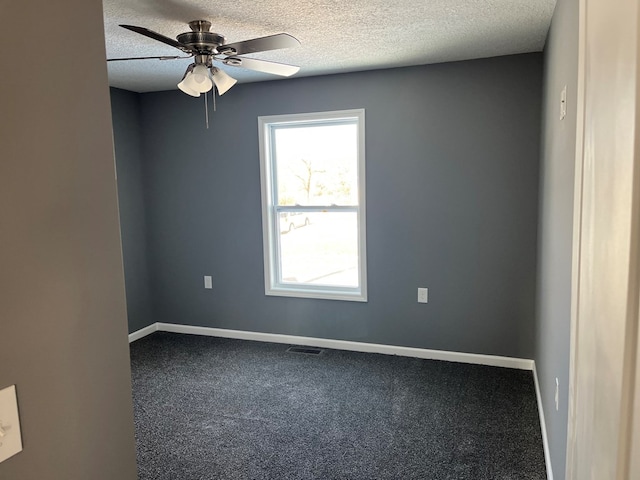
(336, 36)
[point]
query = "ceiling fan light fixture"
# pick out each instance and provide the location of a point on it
(199, 79)
(222, 80)
(186, 88)
(184, 85)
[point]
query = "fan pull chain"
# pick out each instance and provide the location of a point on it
(206, 111)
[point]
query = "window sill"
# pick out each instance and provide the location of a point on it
(355, 296)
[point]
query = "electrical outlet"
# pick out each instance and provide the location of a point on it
(207, 282)
(563, 103)
(557, 394)
(10, 437)
(423, 295)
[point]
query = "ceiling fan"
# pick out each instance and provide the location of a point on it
(206, 47)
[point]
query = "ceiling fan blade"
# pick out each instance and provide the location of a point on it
(156, 36)
(272, 42)
(262, 66)
(166, 57)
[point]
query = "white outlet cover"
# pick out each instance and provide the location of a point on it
(10, 437)
(207, 281)
(423, 295)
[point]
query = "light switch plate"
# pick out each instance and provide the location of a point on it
(208, 282)
(423, 295)
(10, 437)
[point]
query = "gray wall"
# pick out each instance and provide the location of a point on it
(63, 332)
(556, 226)
(127, 137)
(452, 155)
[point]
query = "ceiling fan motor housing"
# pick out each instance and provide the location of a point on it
(201, 42)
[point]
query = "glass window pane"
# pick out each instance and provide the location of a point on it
(317, 164)
(312, 166)
(319, 248)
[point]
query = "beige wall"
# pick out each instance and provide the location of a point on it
(606, 326)
(63, 334)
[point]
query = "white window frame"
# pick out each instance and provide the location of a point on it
(270, 210)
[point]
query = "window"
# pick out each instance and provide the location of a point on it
(313, 205)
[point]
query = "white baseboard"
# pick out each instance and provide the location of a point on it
(143, 332)
(479, 359)
(543, 426)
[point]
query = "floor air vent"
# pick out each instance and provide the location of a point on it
(306, 350)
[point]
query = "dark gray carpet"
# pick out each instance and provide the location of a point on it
(211, 408)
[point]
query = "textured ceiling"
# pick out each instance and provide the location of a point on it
(336, 36)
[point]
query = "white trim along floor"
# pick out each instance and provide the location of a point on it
(479, 359)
